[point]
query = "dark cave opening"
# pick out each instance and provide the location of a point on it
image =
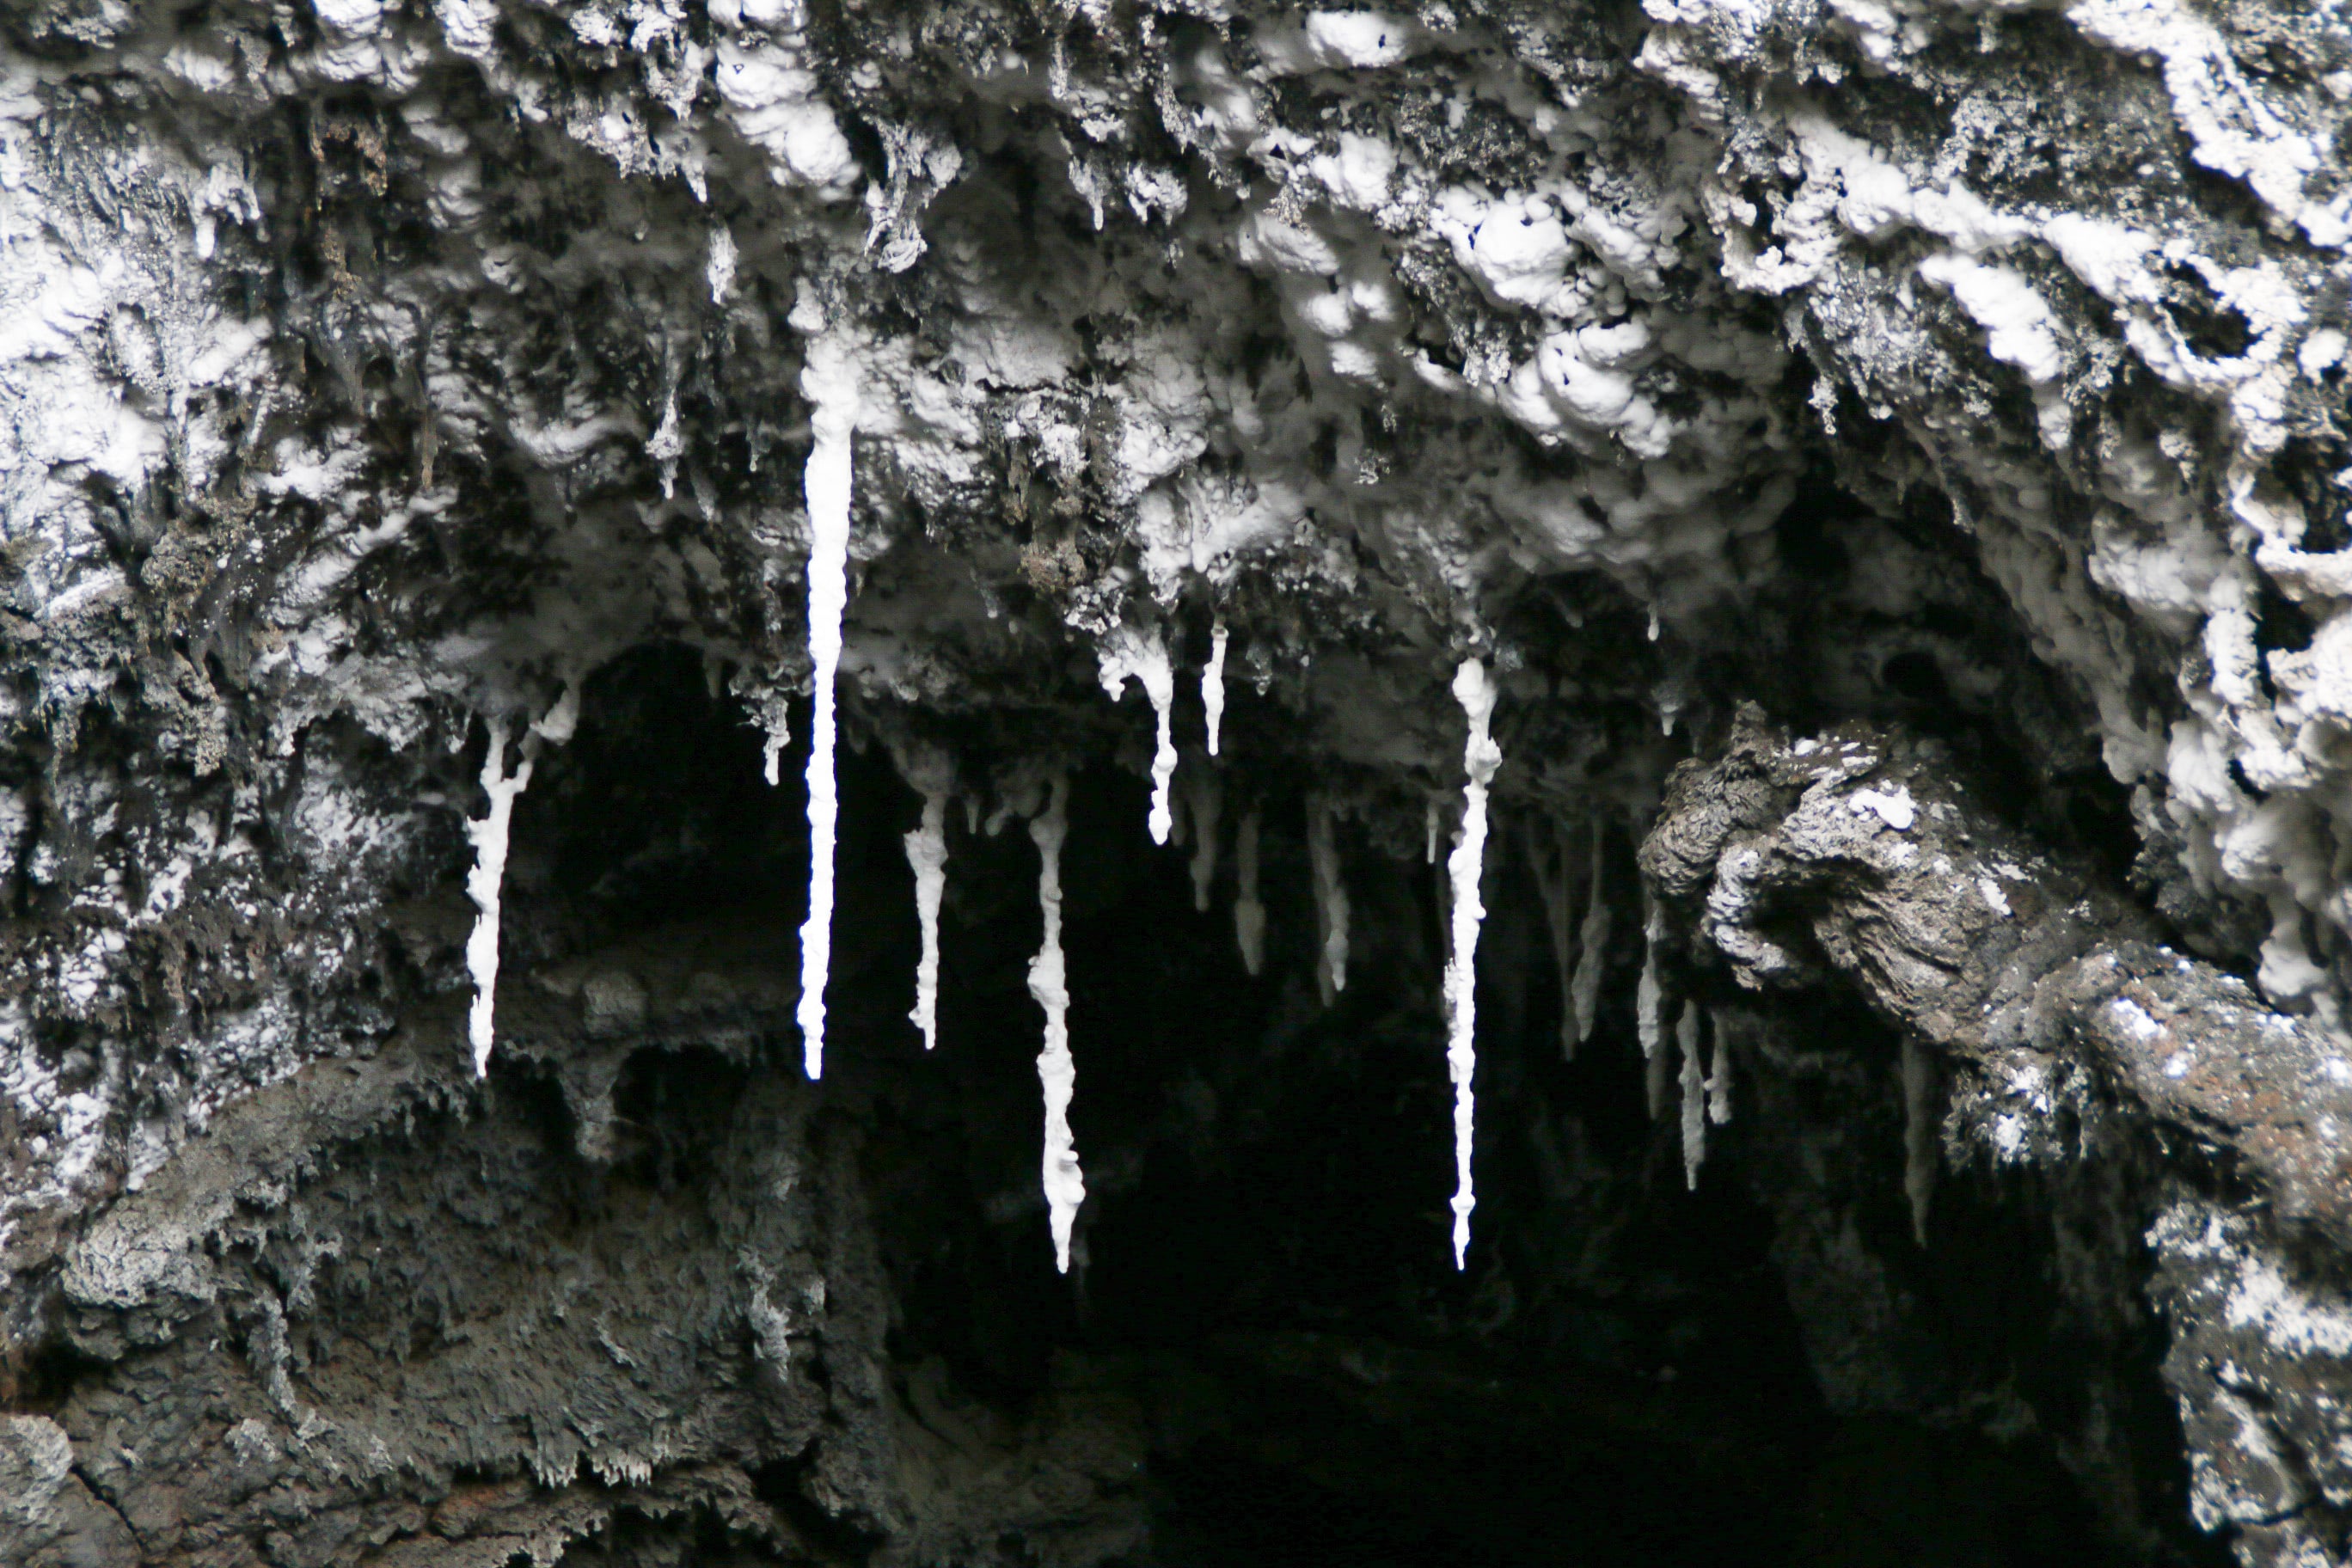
(1891, 616)
(1627, 1370)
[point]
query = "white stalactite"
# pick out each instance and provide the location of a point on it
(927, 855)
(776, 721)
(1143, 655)
(1475, 689)
(1718, 1077)
(489, 837)
(1331, 898)
(1920, 1133)
(1592, 942)
(1066, 1186)
(1429, 824)
(1694, 1082)
(1212, 684)
(1249, 915)
(772, 754)
(829, 380)
(1207, 797)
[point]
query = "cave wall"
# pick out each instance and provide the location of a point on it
(391, 383)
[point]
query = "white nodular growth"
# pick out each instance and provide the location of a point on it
(1552, 878)
(489, 837)
(1719, 1077)
(1066, 1186)
(830, 382)
(1919, 1134)
(1475, 689)
(1331, 899)
(1593, 941)
(1694, 1080)
(1144, 656)
(1206, 798)
(1212, 684)
(1249, 915)
(927, 855)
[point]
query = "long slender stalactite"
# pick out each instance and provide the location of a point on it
(1066, 1186)
(1474, 690)
(830, 380)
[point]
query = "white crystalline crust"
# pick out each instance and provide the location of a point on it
(1066, 1186)
(1474, 690)
(830, 381)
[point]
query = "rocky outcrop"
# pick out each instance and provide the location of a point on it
(2070, 1036)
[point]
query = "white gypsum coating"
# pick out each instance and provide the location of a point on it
(1475, 689)
(1065, 1186)
(489, 837)
(927, 855)
(1694, 1082)
(1331, 898)
(1593, 940)
(1143, 655)
(1212, 683)
(1249, 915)
(830, 382)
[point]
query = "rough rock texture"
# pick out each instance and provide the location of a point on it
(1962, 385)
(2070, 1034)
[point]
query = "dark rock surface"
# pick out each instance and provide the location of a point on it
(1891, 460)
